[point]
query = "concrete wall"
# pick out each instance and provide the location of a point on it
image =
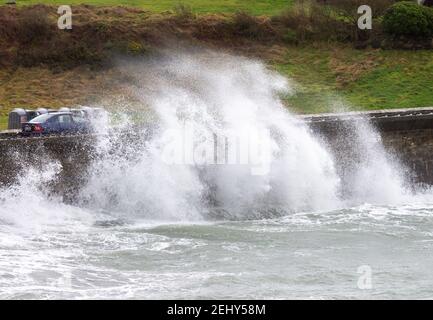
(406, 134)
(415, 149)
(74, 154)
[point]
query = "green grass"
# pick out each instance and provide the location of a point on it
(3, 122)
(256, 7)
(404, 79)
(362, 79)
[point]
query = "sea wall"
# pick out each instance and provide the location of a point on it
(407, 134)
(73, 153)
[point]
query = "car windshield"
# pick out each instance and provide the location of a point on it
(41, 118)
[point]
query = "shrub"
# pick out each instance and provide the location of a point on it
(408, 19)
(429, 13)
(290, 37)
(347, 10)
(34, 26)
(247, 26)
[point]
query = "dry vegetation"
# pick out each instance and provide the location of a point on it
(41, 65)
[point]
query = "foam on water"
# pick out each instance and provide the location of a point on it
(28, 206)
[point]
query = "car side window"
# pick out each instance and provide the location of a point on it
(65, 118)
(53, 120)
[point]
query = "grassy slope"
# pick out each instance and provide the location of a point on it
(257, 7)
(366, 79)
(3, 122)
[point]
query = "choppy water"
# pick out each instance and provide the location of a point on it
(303, 255)
(146, 226)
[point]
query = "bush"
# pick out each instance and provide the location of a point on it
(247, 26)
(34, 26)
(408, 19)
(290, 37)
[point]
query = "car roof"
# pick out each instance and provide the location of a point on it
(60, 113)
(53, 114)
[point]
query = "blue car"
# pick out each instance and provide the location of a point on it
(56, 123)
